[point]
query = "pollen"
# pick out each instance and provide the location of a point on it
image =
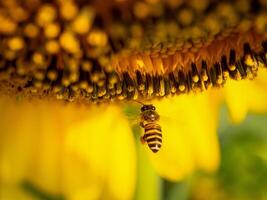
(69, 42)
(31, 30)
(68, 9)
(46, 14)
(97, 38)
(83, 22)
(7, 26)
(99, 51)
(52, 47)
(52, 30)
(16, 43)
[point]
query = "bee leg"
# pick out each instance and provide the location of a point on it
(142, 139)
(142, 124)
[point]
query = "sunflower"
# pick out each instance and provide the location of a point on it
(72, 71)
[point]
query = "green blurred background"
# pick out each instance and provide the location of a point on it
(242, 173)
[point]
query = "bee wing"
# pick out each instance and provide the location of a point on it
(134, 121)
(133, 116)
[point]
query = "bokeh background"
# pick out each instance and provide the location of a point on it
(243, 170)
(241, 175)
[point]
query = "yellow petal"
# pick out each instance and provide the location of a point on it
(16, 146)
(246, 95)
(258, 97)
(189, 136)
(31, 144)
(105, 142)
(77, 152)
(11, 192)
(237, 100)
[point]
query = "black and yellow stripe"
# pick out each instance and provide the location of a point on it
(153, 136)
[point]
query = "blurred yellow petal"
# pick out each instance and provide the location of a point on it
(122, 161)
(107, 142)
(74, 151)
(31, 143)
(244, 96)
(189, 136)
(11, 192)
(16, 146)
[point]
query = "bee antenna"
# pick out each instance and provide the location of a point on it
(139, 102)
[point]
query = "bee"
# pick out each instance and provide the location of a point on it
(149, 119)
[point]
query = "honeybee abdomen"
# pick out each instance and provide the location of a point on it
(153, 136)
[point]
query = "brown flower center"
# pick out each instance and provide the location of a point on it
(98, 51)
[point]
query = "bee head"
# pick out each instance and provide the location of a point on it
(147, 107)
(149, 113)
